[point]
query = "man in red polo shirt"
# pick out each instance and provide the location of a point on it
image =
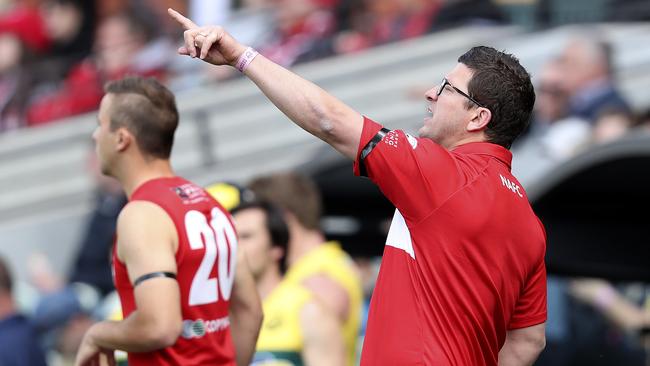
(462, 280)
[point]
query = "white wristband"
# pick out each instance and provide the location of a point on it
(245, 59)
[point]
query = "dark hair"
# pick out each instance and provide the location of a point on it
(148, 110)
(292, 192)
(140, 20)
(502, 85)
(275, 224)
(6, 282)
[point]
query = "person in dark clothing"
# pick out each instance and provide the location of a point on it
(589, 78)
(92, 264)
(18, 346)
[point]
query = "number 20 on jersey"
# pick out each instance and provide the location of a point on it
(219, 239)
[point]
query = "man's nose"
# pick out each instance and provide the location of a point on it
(431, 95)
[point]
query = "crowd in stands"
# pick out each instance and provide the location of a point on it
(57, 54)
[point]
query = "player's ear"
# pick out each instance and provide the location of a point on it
(124, 139)
(480, 121)
(277, 253)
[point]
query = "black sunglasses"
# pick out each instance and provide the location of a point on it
(446, 82)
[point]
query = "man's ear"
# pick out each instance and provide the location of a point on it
(480, 121)
(124, 139)
(277, 253)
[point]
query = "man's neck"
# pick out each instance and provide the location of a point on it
(302, 242)
(137, 174)
(477, 137)
(268, 281)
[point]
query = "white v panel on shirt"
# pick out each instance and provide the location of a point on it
(399, 235)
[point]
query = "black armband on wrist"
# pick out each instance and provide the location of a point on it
(368, 148)
(151, 275)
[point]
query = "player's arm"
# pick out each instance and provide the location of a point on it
(522, 346)
(147, 242)
(330, 293)
(306, 104)
(323, 342)
(245, 312)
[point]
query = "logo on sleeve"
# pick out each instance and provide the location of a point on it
(391, 138)
(511, 185)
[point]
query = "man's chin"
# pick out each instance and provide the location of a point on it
(105, 171)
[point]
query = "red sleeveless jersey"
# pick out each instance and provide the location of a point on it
(205, 260)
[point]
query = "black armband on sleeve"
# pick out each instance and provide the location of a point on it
(151, 275)
(368, 148)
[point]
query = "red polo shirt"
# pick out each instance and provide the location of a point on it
(464, 257)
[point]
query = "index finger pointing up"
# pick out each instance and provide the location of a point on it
(185, 22)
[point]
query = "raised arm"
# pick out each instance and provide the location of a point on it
(245, 312)
(522, 346)
(147, 244)
(306, 104)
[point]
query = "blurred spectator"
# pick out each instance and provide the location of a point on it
(18, 344)
(128, 43)
(383, 21)
(611, 125)
(125, 44)
(588, 78)
(158, 12)
(15, 81)
(553, 136)
(92, 263)
(27, 23)
(322, 267)
(378, 22)
(71, 26)
(559, 133)
(69, 338)
(23, 35)
(303, 29)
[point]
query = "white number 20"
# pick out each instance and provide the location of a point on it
(215, 238)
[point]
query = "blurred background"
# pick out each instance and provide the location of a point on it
(585, 159)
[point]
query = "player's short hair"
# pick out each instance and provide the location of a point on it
(294, 193)
(6, 281)
(502, 85)
(275, 224)
(148, 110)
